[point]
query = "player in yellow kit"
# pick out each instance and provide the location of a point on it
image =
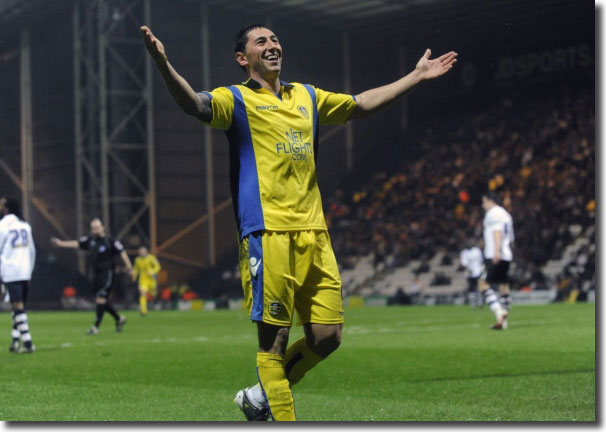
(146, 268)
(286, 259)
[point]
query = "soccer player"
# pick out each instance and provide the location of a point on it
(146, 269)
(472, 259)
(498, 238)
(286, 259)
(17, 260)
(102, 251)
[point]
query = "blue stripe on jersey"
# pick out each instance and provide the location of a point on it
(244, 177)
(255, 262)
(312, 94)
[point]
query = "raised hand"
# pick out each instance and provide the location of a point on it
(153, 45)
(430, 69)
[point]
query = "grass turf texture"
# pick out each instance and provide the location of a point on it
(395, 363)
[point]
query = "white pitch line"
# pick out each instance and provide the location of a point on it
(119, 342)
(170, 340)
(363, 330)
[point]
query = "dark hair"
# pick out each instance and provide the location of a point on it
(493, 196)
(12, 206)
(242, 38)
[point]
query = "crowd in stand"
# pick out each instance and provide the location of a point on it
(538, 154)
(578, 275)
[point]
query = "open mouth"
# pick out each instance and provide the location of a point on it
(272, 57)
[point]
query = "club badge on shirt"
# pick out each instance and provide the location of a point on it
(275, 308)
(303, 111)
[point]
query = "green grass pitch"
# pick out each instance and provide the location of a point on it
(398, 363)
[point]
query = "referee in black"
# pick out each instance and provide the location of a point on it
(102, 251)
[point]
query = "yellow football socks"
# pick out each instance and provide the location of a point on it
(274, 383)
(143, 304)
(298, 360)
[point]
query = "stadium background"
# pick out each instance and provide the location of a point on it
(74, 77)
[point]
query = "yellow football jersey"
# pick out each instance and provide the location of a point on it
(146, 268)
(273, 146)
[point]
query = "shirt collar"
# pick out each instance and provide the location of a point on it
(253, 84)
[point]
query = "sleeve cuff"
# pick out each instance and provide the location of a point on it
(207, 94)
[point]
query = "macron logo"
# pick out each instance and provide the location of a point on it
(254, 266)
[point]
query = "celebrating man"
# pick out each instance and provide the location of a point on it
(286, 259)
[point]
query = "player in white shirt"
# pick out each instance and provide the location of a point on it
(17, 259)
(472, 259)
(498, 237)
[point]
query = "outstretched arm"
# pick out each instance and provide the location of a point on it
(195, 104)
(374, 100)
(68, 244)
(127, 263)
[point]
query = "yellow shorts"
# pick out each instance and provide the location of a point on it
(147, 287)
(284, 271)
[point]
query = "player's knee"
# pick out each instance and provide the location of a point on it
(332, 342)
(326, 341)
(17, 305)
(482, 286)
(100, 300)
